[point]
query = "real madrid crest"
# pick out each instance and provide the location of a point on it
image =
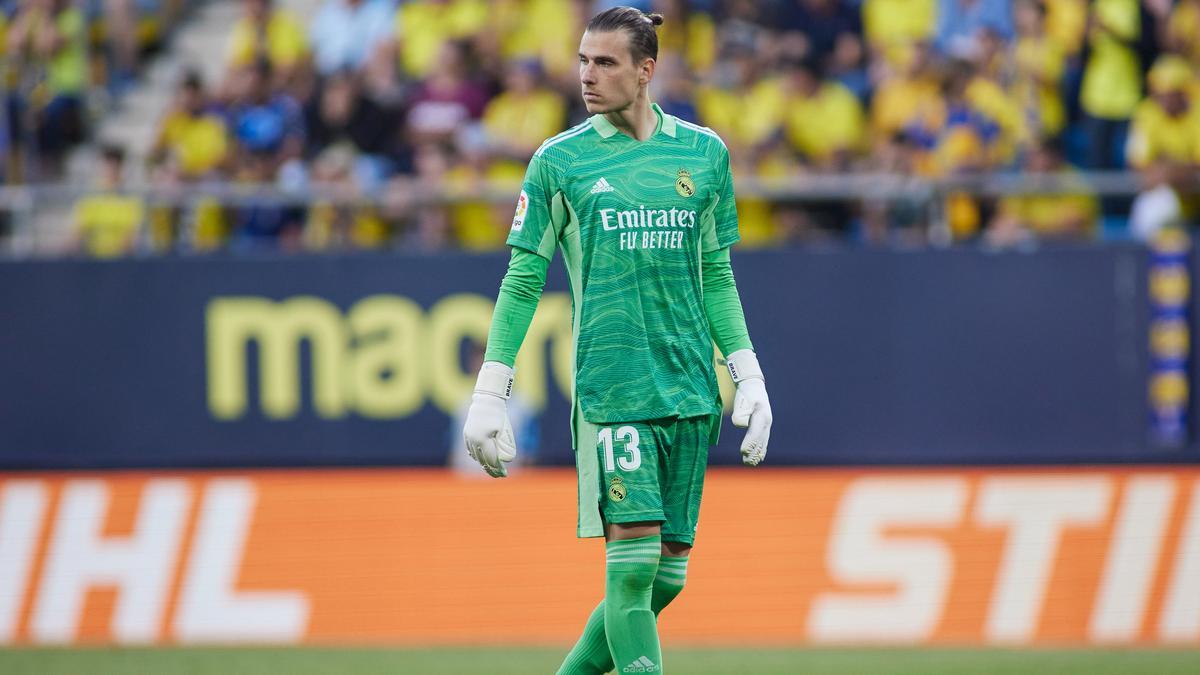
(683, 183)
(616, 489)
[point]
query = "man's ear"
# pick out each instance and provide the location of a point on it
(647, 71)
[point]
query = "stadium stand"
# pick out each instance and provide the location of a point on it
(348, 124)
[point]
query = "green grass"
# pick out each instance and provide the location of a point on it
(314, 661)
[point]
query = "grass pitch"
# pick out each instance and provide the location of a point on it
(456, 661)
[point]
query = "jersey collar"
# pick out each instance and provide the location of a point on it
(666, 124)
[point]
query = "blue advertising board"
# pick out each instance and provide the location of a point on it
(872, 357)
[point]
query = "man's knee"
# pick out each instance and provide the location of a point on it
(633, 564)
(676, 549)
(622, 531)
(672, 573)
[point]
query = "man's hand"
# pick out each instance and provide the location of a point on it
(487, 431)
(750, 405)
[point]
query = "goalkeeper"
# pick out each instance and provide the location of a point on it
(641, 206)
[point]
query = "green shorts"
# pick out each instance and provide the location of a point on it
(643, 471)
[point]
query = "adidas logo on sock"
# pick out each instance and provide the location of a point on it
(643, 664)
(602, 186)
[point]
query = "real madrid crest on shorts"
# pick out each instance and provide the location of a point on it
(683, 184)
(616, 489)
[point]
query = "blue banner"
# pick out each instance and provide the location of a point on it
(871, 358)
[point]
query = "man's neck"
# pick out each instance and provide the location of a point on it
(637, 121)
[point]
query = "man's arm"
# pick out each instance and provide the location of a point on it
(722, 304)
(520, 291)
(727, 325)
(726, 322)
(487, 431)
(533, 238)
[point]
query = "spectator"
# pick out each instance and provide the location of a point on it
(975, 105)
(744, 29)
(676, 93)
(330, 226)
(121, 26)
(347, 33)
(341, 115)
(476, 224)
(1112, 79)
(1067, 215)
(430, 229)
(1183, 30)
(966, 137)
(811, 29)
(908, 93)
(828, 32)
(192, 141)
(264, 225)
(524, 115)
(1066, 24)
(688, 34)
(264, 33)
(48, 43)
(960, 22)
(545, 30)
(1038, 63)
(889, 219)
(988, 92)
(107, 222)
(742, 104)
(824, 120)
(895, 23)
(1164, 142)
(422, 26)
(268, 127)
(449, 99)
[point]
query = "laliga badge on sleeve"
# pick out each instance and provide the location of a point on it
(519, 216)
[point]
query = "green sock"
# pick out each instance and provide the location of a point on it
(590, 655)
(629, 625)
(672, 572)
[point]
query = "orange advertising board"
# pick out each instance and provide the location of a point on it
(783, 556)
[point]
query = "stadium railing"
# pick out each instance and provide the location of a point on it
(35, 219)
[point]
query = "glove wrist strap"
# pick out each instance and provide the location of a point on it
(496, 379)
(743, 365)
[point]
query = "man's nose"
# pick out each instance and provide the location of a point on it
(587, 74)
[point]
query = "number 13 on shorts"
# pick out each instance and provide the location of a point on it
(631, 458)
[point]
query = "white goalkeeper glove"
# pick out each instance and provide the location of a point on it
(750, 405)
(487, 431)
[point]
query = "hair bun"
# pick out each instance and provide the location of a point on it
(656, 19)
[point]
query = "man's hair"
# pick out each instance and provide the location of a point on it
(192, 79)
(643, 40)
(111, 152)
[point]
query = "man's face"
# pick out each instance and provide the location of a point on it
(1042, 160)
(257, 10)
(191, 99)
(609, 78)
(1174, 103)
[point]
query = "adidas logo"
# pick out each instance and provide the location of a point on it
(601, 186)
(643, 664)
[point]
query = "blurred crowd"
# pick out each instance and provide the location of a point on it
(61, 61)
(384, 103)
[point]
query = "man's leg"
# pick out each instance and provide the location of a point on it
(591, 656)
(623, 626)
(672, 573)
(632, 554)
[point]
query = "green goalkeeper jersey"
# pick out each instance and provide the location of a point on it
(632, 219)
